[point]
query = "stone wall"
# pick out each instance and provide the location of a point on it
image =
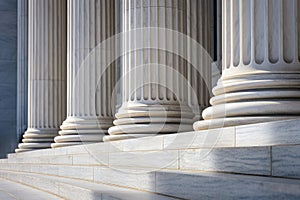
(8, 75)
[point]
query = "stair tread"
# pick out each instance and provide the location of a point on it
(10, 190)
(99, 190)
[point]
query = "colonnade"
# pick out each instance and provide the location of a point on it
(71, 76)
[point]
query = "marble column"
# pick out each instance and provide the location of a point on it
(22, 67)
(261, 70)
(46, 72)
(199, 23)
(90, 82)
(153, 81)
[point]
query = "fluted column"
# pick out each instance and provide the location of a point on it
(261, 69)
(154, 92)
(90, 82)
(199, 23)
(46, 72)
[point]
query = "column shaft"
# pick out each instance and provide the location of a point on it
(90, 82)
(154, 92)
(46, 72)
(199, 23)
(261, 70)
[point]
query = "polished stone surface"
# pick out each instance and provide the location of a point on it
(140, 168)
(79, 189)
(225, 186)
(285, 161)
(11, 191)
(237, 160)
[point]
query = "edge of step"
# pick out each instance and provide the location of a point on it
(263, 134)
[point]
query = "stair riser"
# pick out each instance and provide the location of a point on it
(281, 161)
(181, 185)
(264, 134)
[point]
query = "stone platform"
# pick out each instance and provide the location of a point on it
(250, 162)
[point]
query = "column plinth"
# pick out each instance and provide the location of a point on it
(261, 65)
(46, 73)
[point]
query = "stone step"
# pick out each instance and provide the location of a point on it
(11, 190)
(78, 189)
(162, 184)
(264, 134)
(280, 161)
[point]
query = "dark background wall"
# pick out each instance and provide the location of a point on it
(8, 76)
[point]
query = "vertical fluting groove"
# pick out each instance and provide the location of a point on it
(259, 31)
(223, 36)
(227, 28)
(297, 8)
(288, 31)
(245, 34)
(30, 35)
(296, 31)
(266, 30)
(274, 48)
(46, 61)
(280, 23)
(236, 32)
(46, 84)
(163, 16)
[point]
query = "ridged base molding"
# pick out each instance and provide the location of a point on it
(36, 139)
(252, 98)
(82, 130)
(136, 120)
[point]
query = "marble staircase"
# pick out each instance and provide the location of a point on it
(258, 161)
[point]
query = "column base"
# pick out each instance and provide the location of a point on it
(252, 98)
(140, 120)
(35, 138)
(237, 121)
(82, 130)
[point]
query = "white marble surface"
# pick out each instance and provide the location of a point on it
(168, 159)
(132, 178)
(225, 186)
(91, 159)
(201, 139)
(237, 160)
(285, 161)
(80, 172)
(264, 134)
(74, 189)
(11, 191)
(268, 134)
(187, 182)
(143, 144)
